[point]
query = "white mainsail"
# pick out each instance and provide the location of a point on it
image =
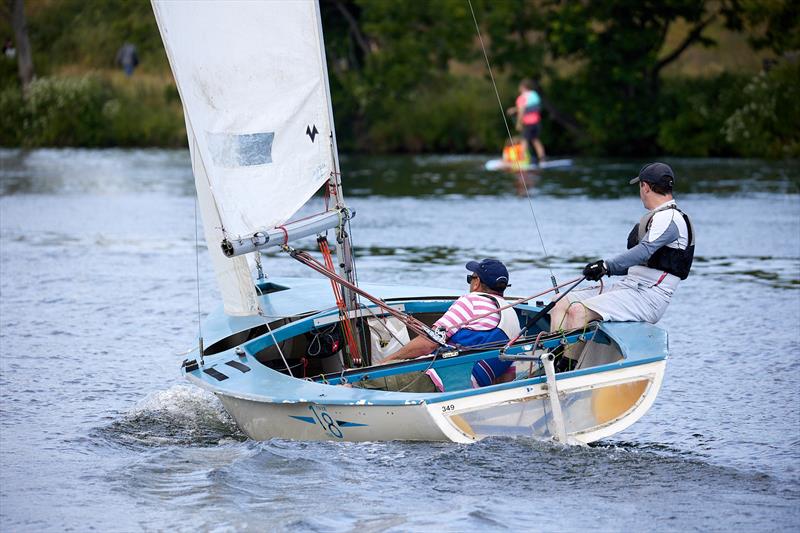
(253, 83)
(233, 274)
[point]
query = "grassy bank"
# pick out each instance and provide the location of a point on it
(724, 115)
(93, 109)
(426, 91)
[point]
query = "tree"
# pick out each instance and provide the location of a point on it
(619, 50)
(14, 10)
(621, 44)
(385, 55)
(765, 124)
(773, 25)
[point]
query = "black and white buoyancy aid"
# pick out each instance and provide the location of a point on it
(674, 260)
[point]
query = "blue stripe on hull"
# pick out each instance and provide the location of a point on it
(342, 423)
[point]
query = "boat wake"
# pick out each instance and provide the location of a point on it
(619, 463)
(181, 415)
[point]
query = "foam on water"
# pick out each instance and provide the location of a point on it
(182, 415)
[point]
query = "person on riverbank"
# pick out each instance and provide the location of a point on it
(528, 112)
(9, 51)
(660, 253)
(127, 58)
(464, 324)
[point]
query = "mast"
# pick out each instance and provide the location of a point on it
(344, 254)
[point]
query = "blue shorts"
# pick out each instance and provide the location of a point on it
(485, 372)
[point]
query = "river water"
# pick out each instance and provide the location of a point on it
(98, 300)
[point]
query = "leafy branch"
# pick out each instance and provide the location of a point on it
(696, 35)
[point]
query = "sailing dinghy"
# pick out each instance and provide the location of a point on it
(253, 82)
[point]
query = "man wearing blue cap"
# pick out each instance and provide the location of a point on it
(472, 320)
(659, 256)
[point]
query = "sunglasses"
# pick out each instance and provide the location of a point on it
(470, 277)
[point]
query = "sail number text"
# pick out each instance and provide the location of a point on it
(327, 422)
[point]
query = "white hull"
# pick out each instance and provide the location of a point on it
(595, 405)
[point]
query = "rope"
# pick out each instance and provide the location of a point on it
(340, 303)
(508, 132)
(532, 320)
(421, 373)
(412, 323)
(315, 345)
(382, 321)
(285, 234)
(540, 337)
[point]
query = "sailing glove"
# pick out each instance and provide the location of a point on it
(595, 271)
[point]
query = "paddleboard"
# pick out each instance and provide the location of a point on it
(499, 164)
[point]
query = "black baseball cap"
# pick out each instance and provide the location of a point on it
(492, 273)
(657, 174)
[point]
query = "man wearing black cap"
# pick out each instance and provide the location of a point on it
(472, 320)
(659, 256)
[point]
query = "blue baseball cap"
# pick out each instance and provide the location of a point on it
(491, 272)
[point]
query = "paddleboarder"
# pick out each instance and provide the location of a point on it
(528, 112)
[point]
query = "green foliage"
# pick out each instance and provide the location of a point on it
(459, 114)
(141, 115)
(412, 41)
(513, 34)
(65, 111)
(765, 124)
(693, 113)
(8, 72)
(12, 109)
(410, 76)
(770, 24)
(619, 44)
(89, 111)
(77, 32)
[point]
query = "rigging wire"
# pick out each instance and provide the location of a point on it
(197, 280)
(508, 132)
(412, 323)
(383, 321)
(275, 341)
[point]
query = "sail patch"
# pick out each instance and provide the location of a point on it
(231, 150)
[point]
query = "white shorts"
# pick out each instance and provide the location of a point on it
(631, 299)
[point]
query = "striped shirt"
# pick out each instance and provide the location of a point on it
(467, 308)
